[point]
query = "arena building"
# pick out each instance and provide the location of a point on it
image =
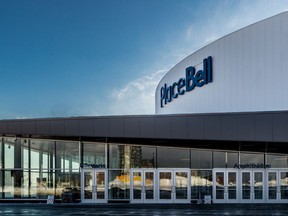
(220, 131)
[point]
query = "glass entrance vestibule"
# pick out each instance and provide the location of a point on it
(141, 185)
(110, 172)
(250, 186)
(183, 185)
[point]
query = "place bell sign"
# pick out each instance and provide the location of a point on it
(192, 79)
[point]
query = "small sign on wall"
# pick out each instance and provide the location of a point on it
(50, 199)
(207, 199)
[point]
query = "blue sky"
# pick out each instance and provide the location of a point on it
(63, 58)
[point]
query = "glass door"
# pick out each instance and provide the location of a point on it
(219, 186)
(272, 187)
(174, 186)
(252, 186)
(277, 186)
(283, 186)
(93, 186)
(246, 193)
(181, 187)
(165, 185)
(232, 187)
(258, 187)
(225, 187)
(142, 185)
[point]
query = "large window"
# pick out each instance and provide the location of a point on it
(201, 159)
(219, 159)
(67, 156)
(1, 155)
(251, 158)
(120, 156)
(94, 155)
(173, 157)
(119, 184)
(232, 159)
(42, 154)
(143, 157)
(9, 158)
(201, 183)
(35, 168)
(277, 161)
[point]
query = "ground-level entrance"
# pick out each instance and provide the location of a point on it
(177, 185)
(94, 186)
(250, 186)
(160, 186)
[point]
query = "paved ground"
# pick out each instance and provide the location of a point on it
(129, 209)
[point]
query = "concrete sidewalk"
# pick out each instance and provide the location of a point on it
(143, 209)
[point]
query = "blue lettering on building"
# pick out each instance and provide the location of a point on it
(193, 79)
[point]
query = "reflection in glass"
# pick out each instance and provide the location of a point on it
(42, 154)
(284, 185)
(201, 183)
(42, 184)
(119, 184)
(119, 156)
(1, 158)
(232, 185)
(126, 156)
(68, 181)
(181, 185)
(88, 185)
(67, 155)
(201, 159)
(8, 188)
(100, 185)
(31, 164)
(272, 184)
(173, 158)
(219, 185)
(9, 153)
(232, 159)
(258, 185)
(1, 184)
(143, 157)
(149, 185)
(251, 158)
(219, 159)
(246, 190)
(165, 185)
(94, 155)
(137, 185)
(277, 161)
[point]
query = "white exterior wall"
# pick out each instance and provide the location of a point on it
(250, 72)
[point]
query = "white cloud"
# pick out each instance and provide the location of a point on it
(189, 32)
(137, 96)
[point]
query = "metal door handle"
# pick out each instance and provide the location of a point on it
(143, 189)
(225, 189)
(173, 189)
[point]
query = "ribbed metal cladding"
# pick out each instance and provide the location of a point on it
(253, 126)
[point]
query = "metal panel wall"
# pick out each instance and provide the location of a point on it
(249, 72)
(253, 126)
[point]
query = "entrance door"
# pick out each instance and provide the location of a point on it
(277, 186)
(174, 186)
(93, 186)
(142, 186)
(283, 186)
(225, 187)
(252, 186)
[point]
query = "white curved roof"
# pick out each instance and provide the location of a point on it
(250, 72)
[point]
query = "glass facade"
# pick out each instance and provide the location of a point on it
(34, 168)
(173, 158)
